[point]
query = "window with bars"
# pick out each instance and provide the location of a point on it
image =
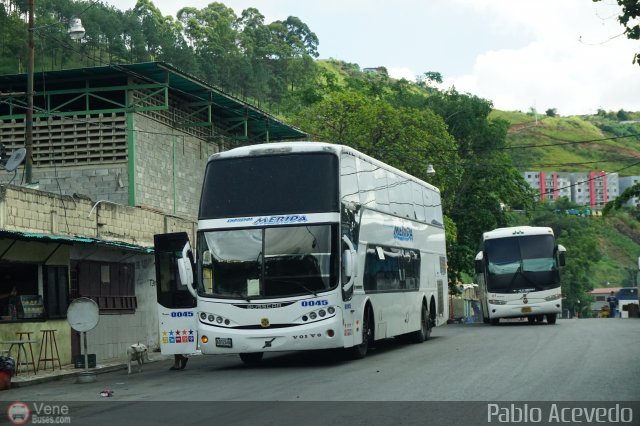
(110, 285)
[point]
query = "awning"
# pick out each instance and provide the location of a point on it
(65, 240)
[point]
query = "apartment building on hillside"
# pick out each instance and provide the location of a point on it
(593, 189)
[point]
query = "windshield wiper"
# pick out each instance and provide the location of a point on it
(520, 271)
(307, 289)
(515, 275)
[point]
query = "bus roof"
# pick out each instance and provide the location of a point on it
(304, 146)
(517, 231)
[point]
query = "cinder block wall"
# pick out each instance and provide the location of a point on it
(30, 210)
(169, 167)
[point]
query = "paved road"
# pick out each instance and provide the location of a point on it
(574, 360)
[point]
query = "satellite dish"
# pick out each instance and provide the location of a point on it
(83, 314)
(16, 159)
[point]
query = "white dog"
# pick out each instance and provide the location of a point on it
(137, 352)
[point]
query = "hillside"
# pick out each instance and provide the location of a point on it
(617, 235)
(574, 144)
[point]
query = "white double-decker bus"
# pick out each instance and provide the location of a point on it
(518, 272)
(303, 246)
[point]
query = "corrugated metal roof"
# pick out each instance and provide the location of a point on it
(226, 105)
(29, 236)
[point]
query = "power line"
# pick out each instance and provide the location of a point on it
(570, 142)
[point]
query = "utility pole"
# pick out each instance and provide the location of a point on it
(28, 137)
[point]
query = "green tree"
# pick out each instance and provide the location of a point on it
(621, 200)
(488, 182)
(579, 238)
(629, 20)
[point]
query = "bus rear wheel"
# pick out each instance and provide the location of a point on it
(425, 327)
(360, 351)
(252, 358)
(551, 319)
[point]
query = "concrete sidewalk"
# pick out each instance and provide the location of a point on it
(27, 378)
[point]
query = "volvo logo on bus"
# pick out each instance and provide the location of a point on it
(264, 322)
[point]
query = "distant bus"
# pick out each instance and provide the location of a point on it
(307, 245)
(518, 271)
(627, 296)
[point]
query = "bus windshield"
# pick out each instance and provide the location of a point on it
(521, 264)
(270, 185)
(268, 262)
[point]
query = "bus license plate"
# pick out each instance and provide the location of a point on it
(224, 342)
(526, 309)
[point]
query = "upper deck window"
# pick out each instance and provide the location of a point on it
(270, 185)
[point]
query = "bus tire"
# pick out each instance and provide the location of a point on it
(360, 351)
(495, 321)
(251, 358)
(551, 319)
(532, 320)
(425, 327)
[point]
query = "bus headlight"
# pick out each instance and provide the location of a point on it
(553, 297)
(213, 319)
(497, 302)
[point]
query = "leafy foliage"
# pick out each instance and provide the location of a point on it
(629, 20)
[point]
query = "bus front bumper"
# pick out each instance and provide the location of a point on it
(524, 310)
(321, 335)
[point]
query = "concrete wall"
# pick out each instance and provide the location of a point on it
(169, 167)
(98, 183)
(30, 210)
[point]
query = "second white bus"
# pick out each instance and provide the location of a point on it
(518, 271)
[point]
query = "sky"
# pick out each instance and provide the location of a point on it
(564, 54)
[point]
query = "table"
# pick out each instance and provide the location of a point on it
(21, 349)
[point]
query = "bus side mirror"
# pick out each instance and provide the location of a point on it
(561, 255)
(349, 264)
(185, 269)
(479, 263)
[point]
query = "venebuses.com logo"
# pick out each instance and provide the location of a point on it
(20, 413)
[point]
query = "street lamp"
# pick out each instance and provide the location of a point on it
(76, 31)
(430, 170)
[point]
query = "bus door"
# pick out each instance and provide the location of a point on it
(177, 308)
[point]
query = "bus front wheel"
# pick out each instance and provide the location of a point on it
(551, 319)
(495, 321)
(252, 358)
(360, 351)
